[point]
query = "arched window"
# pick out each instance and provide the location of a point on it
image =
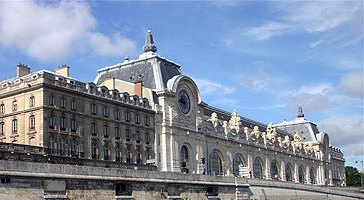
(237, 161)
(288, 172)
(274, 172)
(184, 154)
(215, 164)
(312, 176)
(301, 176)
(257, 169)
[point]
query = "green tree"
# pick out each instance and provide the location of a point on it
(352, 176)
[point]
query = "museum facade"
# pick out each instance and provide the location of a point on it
(146, 112)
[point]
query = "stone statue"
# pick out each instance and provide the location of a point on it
(226, 128)
(215, 121)
(234, 123)
(297, 142)
(287, 142)
(280, 142)
(247, 134)
(255, 134)
(265, 138)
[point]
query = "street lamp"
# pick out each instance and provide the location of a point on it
(361, 174)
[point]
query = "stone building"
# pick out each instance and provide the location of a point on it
(146, 110)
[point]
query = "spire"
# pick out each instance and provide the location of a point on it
(149, 43)
(300, 112)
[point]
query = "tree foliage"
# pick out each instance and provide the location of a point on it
(352, 176)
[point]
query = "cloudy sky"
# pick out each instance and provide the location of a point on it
(261, 58)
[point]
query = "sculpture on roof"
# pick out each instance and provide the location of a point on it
(297, 142)
(300, 112)
(287, 142)
(226, 128)
(149, 43)
(234, 123)
(255, 134)
(247, 133)
(215, 121)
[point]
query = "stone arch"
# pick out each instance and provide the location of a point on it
(258, 168)
(215, 162)
(312, 176)
(237, 160)
(174, 82)
(289, 171)
(301, 174)
(275, 170)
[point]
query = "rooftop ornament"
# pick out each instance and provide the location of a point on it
(149, 43)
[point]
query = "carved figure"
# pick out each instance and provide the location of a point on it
(280, 142)
(215, 121)
(199, 123)
(297, 142)
(226, 128)
(247, 134)
(255, 134)
(234, 123)
(287, 142)
(265, 138)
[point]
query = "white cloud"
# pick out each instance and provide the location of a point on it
(315, 44)
(254, 82)
(308, 17)
(208, 87)
(55, 30)
(353, 84)
(346, 132)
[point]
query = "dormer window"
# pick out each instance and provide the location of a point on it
(15, 105)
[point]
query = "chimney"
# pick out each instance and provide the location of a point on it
(139, 89)
(22, 70)
(64, 70)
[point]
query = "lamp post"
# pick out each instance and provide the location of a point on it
(361, 174)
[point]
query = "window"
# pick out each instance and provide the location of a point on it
(2, 128)
(105, 111)
(73, 125)
(127, 135)
(301, 176)
(62, 123)
(128, 155)
(146, 120)
(63, 147)
(106, 133)
(215, 165)
(312, 176)
(274, 173)
(51, 145)
(137, 137)
(117, 154)
(147, 138)
(73, 105)
(288, 172)
(93, 109)
(2, 109)
(73, 147)
(147, 154)
(15, 126)
(5, 180)
(137, 120)
(32, 122)
(117, 114)
(15, 105)
(237, 162)
(123, 189)
(93, 129)
(63, 102)
(51, 122)
(257, 169)
(31, 101)
(51, 100)
(106, 152)
(93, 150)
(117, 133)
(139, 157)
(127, 116)
(184, 154)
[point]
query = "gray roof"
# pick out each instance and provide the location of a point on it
(306, 129)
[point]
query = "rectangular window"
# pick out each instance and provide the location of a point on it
(51, 122)
(106, 133)
(93, 129)
(73, 147)
(127, 116)
(117, 154)
(2, 109)
(32, 122)
(147, 138)
(2, 128)
(15, 105)
(51, 100)
(117, 114)
(146, 120)
(106, 152)
(73, 125)
(62, 147)
(93, 109)
(73, 105)
(93, 150)
(137, 137)
(31, 102)
(137, 120)
(62, 123)
(117, 134)
(15, 126)
(63, 103)
(123, 189)
(127, 135)
(128, 155)
(105, 111)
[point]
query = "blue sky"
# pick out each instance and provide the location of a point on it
(261, 58)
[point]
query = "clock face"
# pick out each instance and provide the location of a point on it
(184, 102)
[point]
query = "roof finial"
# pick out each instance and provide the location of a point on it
(149, 43)
(300, 112)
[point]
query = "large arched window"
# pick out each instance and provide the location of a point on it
(184, 154)
(257, 169)
(215, 165)
(301, 176)
(274, 172)
(237, 161)
(312, 176)
(288, 172)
